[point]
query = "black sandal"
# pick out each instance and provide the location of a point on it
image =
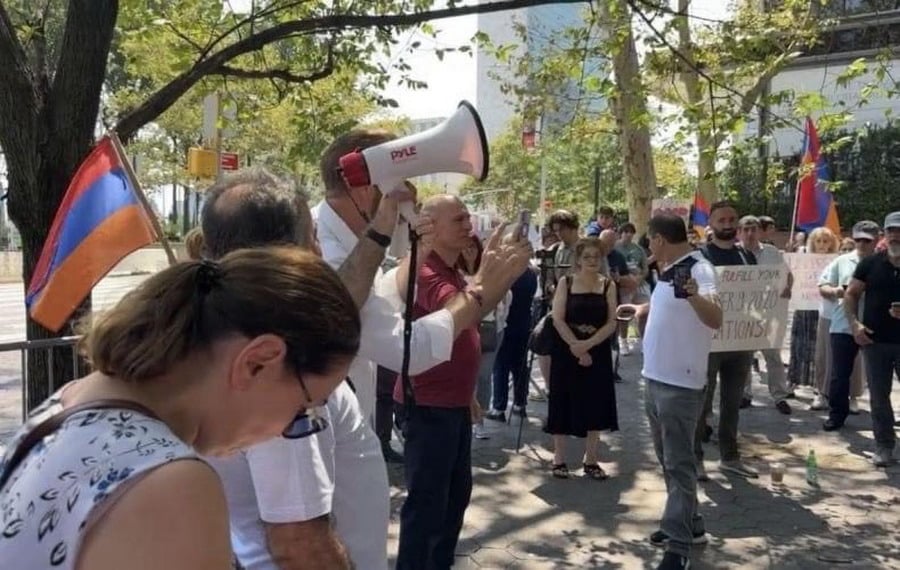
(595, 472)
(560, 471)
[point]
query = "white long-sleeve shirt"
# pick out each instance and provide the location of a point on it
(381, 340)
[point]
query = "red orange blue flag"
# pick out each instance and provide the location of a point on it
(700, 214)
(100, 220)
(815, 202)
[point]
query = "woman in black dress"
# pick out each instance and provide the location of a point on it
(582, 389)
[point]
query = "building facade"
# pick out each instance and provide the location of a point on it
(865, 28)
(543, 25)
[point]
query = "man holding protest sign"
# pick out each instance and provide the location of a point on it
(733, 366)
(767, 255)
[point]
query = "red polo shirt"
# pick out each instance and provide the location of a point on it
(452, 383)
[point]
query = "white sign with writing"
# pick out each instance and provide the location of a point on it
(680, 208)
(806, 268)
(755, 313)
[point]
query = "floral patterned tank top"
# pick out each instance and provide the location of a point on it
(66, 480)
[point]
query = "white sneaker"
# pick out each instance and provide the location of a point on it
(624, 347)
(479, 432)
(854, 406)
(819, 403)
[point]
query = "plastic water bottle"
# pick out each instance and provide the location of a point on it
(812, 469)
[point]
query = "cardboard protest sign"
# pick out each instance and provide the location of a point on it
(806, 268)
(680, 208)
(755, 313)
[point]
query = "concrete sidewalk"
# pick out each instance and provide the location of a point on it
(521, 517)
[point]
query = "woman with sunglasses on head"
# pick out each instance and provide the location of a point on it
(202, 358)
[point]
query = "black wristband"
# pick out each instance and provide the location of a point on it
(379, 238)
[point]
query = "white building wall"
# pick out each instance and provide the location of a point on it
(823, 79)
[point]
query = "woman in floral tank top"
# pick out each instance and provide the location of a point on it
(203, 358)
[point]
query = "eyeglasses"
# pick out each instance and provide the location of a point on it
(305, 423)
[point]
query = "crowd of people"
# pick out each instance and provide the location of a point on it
(242, 402)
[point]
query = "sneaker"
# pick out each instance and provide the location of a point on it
(736, 467)
(746, 402)
(624, 347)
(538, 397)
(672, 561)
(854, 406)
(702, 475)
(518, 411)
(832, 425)
(659, 538)
(391, 456)
(820, 402)
(783, 407)
(496, 415)
(883, 457)
(479, 432)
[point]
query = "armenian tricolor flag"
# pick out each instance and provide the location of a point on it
(101, 220)
(815, 203)
(700, 214)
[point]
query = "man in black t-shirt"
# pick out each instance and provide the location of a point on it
(732, 367)
(878, 333)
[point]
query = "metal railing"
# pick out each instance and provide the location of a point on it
(29, 349)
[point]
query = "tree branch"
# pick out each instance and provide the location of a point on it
(157, 103)
(74, 98)
(18, 99)
(282, 74)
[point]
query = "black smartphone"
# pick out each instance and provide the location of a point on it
(680, 276)
(524, 224)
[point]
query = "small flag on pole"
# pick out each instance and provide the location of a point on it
(700, 214)
(815, 202)
(101, 220)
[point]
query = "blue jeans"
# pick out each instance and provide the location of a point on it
(881, 361)
(511, 359)
(437, 457)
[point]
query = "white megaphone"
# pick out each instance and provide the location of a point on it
(456, 145)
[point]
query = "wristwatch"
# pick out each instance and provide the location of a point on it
(379, 238)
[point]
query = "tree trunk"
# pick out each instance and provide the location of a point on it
(630, 110)
(46, 129)
(45, 369)
(698, 107)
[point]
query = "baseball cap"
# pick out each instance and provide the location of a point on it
(892, 220)
(867, 229)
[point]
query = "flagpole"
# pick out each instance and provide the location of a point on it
(794, 211)
(129, 171)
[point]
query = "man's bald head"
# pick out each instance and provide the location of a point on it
(253, 208)
(435, 205)
(452, 223)
(608, 239)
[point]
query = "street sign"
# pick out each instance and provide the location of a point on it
(230, 161)
(202, 163)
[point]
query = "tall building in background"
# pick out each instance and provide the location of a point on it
(497, 110)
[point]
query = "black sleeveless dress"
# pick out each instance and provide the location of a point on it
(582, 398)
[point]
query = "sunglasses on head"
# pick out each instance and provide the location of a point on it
(305, 423)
